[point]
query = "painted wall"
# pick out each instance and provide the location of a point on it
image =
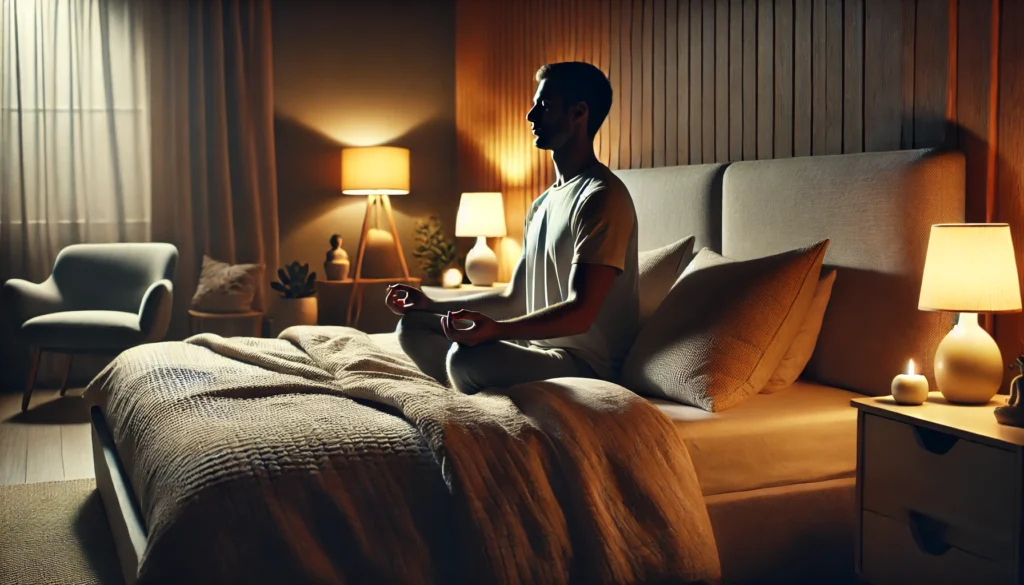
(699, 81)
(357, 73)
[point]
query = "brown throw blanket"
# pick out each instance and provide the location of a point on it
(321, 457)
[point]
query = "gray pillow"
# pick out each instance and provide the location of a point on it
(226, 288)
(659, 269)
(723, 328)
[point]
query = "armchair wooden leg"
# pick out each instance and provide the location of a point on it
(32, 369)
(67, 373)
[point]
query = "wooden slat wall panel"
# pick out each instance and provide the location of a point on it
(698, 81)
(819, 120)
(783, 128)
(658, 73)
(696, 66)
(636, 41)
(833, 76)
(973, 85)
(765, 79)
(882, 57)
(722, 81)
(735, 80)
(708, 64)
(931, 63)
(615, 77)
(1009, 207)
(749, 79)
(802, 80)
(644, 29)
(671, 82)
(853, 76)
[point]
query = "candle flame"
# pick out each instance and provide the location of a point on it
(910, 367)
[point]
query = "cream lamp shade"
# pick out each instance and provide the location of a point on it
(375, 170)
(480, 215)
(970, 268)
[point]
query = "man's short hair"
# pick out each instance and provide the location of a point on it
(577, 82)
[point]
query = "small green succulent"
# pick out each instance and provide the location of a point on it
(296, 283)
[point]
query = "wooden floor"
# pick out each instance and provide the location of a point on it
(50, 442)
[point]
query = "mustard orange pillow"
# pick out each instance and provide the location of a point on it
(723, 328)
(798, 354)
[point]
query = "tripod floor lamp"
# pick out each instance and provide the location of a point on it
(376, 172)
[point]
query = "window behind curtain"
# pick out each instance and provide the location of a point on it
(74, 130)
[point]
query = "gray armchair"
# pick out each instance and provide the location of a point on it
(100, 298)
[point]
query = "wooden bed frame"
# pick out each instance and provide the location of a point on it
(122, 508)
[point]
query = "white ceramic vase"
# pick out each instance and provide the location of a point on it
(291, 312)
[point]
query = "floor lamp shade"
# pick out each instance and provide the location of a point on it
(969, 269)
(480, 216)
(375, 170)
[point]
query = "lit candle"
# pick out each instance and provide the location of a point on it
(910, 388)
(452, 278)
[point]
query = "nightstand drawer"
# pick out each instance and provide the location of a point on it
(967, 487)
(893, 552)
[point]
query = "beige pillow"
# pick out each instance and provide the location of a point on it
(659, 269)
(798, 354)
(226, 288)
(724, 327)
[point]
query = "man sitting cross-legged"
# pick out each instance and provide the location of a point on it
(571, 308)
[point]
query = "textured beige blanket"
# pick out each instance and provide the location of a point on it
(321, 457)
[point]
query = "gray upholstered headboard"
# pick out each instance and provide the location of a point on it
(877, 209)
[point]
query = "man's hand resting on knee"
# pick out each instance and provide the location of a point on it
(469, 327)
(402, 298)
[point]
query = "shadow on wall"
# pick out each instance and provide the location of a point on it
(312, 207)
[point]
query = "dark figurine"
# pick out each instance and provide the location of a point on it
(336, 265)
(1013, 413)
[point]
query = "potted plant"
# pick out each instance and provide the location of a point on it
(297, 305)
(433, 251)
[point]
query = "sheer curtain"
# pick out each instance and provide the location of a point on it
(74, 129)
(211, 81)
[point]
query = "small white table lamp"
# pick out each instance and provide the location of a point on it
(969, 269)
(480, 216)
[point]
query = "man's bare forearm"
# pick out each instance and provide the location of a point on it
(559, 320)
(494, 304)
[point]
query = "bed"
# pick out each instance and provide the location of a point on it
(773, 476)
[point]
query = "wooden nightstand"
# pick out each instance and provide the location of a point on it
(939, 493)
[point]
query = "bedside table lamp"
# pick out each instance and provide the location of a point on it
(480, 216)
(969, 269)
(377, 172)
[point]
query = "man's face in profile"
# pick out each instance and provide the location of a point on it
(549, 119)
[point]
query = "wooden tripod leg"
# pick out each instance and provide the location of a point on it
(370, 200)
(394, 234)
(67, 373)
(32, 369)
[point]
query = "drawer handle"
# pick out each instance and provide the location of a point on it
(933, 441)
(928, 534)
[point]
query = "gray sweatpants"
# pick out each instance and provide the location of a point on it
(470, 369)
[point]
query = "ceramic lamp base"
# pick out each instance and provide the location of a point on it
(968, 365)
(481, 264)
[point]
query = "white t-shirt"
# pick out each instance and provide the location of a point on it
(589, 219)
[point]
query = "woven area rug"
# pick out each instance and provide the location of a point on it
(55, 533)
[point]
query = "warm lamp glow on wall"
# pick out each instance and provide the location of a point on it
(376, 172)
(480, 216)
(969, 269)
